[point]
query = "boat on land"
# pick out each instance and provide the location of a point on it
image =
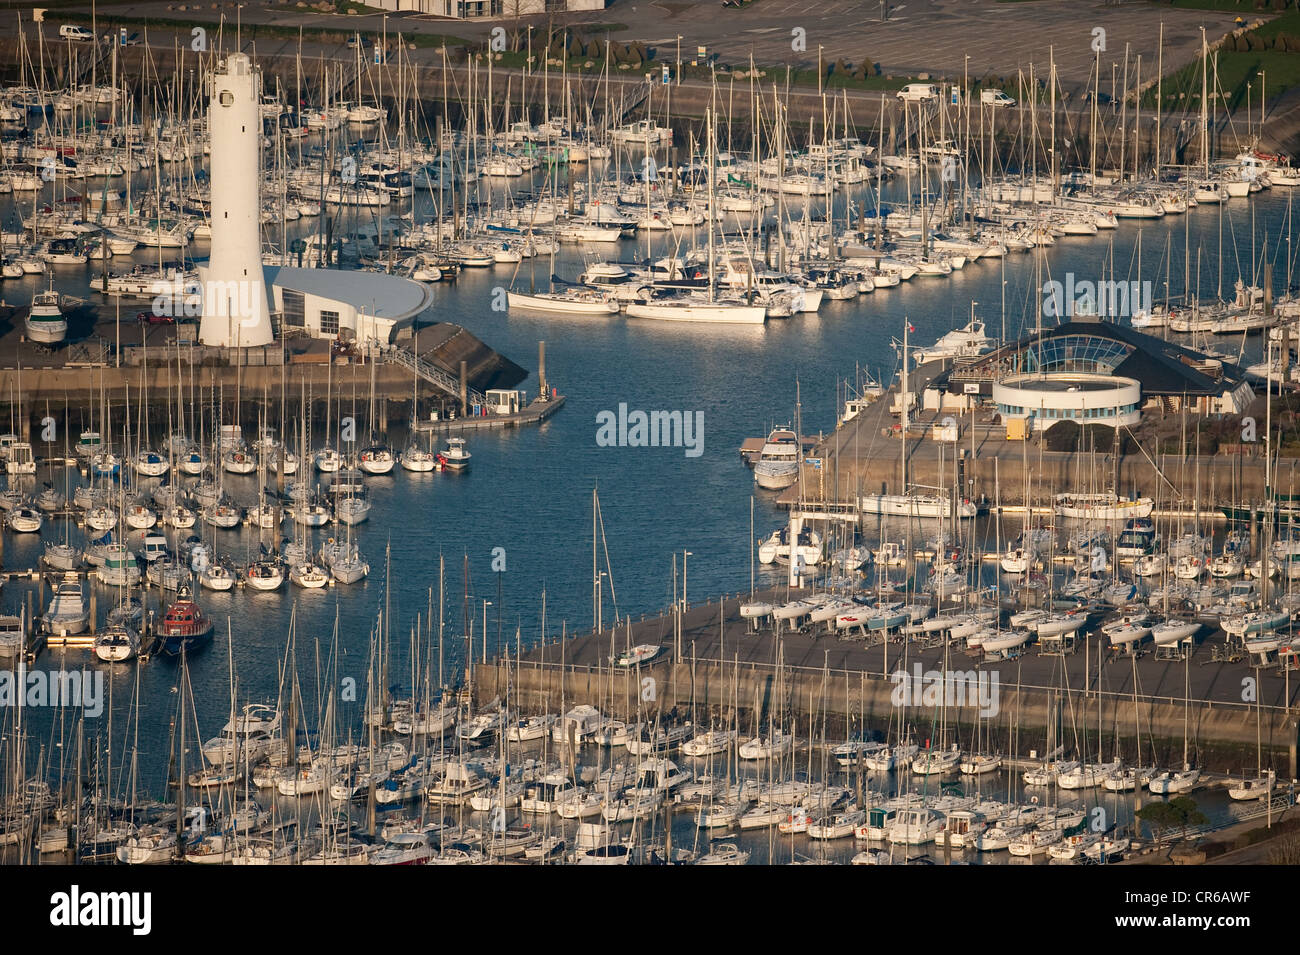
(642, 653)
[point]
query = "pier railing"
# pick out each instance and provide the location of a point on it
(426, 370)
(93, 352)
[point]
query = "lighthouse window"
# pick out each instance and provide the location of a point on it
(227, 98)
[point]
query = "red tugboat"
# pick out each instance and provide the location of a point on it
(184, 626)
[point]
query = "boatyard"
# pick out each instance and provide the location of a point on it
(716, 665)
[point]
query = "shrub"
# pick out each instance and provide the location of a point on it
(1062, 436)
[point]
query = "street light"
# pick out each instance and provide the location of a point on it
(679, 59)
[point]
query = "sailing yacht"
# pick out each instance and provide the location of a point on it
(25, 519)
(1170, 782)
(571, 301)
(694, 307)
(328, 460)
(766, 747)
(116, 644)
(376, 459)
(309, 576)
(12, 636)
(1102, 507)
(1256, 788)
(416, 459)
(265, 574)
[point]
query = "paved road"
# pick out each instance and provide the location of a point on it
(986, 37)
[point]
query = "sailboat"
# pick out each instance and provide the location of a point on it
(377, 457)
(1170, 783)
(700, 306)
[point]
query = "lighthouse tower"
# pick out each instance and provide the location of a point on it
(235, 312)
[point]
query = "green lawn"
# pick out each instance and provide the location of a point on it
(1288, 22)
(1236, 72)
(1237, 69)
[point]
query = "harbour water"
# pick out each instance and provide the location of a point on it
(520, 518)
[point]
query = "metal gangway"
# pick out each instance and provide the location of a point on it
(427, 371)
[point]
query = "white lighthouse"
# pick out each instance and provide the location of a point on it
(235, 312)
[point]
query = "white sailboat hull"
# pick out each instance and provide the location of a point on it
(726, 314)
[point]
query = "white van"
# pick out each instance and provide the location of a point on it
(70, 31)
(996, 98)
(918, 92)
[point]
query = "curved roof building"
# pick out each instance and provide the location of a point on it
(1086, 362)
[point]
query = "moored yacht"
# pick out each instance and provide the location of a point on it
(778, 462)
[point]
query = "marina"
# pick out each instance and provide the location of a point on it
(305, 560)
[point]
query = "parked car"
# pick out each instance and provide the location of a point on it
(996, 98)
(71, 31)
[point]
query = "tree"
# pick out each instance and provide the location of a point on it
(1178, 813)
(1191, 814)
(1159, 816)
(1062, 436)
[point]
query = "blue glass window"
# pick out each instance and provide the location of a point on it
(1077, 353)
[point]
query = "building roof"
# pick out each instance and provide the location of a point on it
(1108, 348)
(373, 293)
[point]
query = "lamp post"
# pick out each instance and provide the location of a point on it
(679, 59)
(819, 69)
(965, 105)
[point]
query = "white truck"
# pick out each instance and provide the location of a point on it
(996, 98)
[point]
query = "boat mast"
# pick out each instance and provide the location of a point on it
(708, 122)
(903, 396)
